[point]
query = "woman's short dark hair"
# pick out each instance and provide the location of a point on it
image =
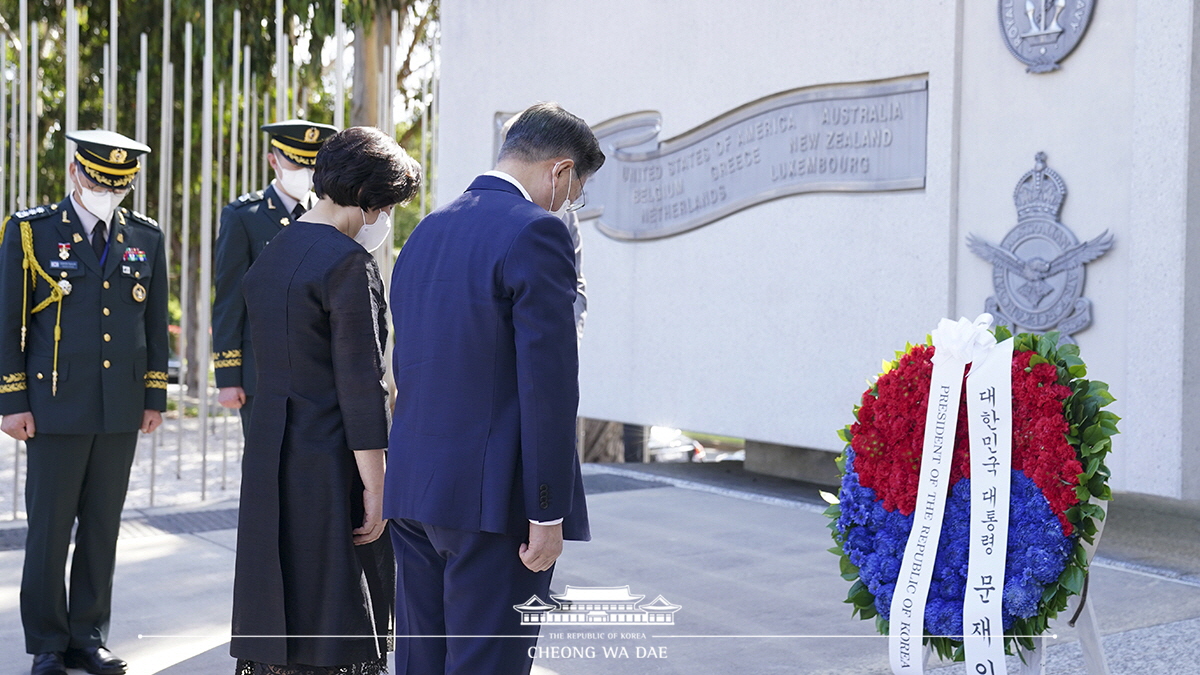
(364, 167)
(544, 131)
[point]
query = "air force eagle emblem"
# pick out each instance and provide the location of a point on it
(1038, 268)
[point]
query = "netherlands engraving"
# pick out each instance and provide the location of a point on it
(854, 138)
(1038, 269)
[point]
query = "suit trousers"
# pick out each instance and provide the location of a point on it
(245, 411)
(453, 583)
(72, 477)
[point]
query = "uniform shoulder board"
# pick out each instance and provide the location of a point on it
(141, 218)
(256, 196)
(35, 213)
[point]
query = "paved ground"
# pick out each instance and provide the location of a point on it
(742, 555)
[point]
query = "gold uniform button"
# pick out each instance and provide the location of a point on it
(106, 312)
(107, 337)
(107, 363)
(39, 376)
(106, 284)
(63, 275)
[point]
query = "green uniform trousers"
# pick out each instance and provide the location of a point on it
(72, 477)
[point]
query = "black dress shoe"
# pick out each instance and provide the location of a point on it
(49, 663)
(95, 660)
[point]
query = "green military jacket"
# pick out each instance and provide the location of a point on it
(109, 362)
(247, 225)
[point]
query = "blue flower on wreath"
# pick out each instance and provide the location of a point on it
(874, 540)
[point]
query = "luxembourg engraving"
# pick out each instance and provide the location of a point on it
(1038, 271)
(863, 137)
(1040, 33)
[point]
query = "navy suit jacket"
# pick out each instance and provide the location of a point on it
(486, 369)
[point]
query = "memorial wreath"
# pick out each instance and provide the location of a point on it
(1060, 437)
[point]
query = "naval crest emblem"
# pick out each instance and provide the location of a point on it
(1038, 271)
(1040, 33)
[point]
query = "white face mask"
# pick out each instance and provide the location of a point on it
(372, 235)
(295, 182)
(101, 203)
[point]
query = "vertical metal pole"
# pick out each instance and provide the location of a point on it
(381, 93)
(107, 83)
(143, 122)
(185, 283)
(248, 117)
(281, 66)
(219, 176)
(266, 117)
(16, 474)
(165, 138)
(392, 73)
(234, 90)
(71, 123)
(339, 68)
(253, 134)
(4, 170)
(23, 76)
(203, 349)
(293, 70)
(435, 145)
(424, 144)
(14, 161)
(35, 141)
(153, 462)
(224, 447)
(111, 90)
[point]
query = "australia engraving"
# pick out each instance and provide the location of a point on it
(856, 137)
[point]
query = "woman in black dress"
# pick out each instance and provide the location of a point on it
(314, 580)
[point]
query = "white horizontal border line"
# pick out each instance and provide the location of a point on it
(545, 637)
(838, 637)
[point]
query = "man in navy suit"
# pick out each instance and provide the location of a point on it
(483, 481)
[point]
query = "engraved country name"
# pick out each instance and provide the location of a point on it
(856, 137)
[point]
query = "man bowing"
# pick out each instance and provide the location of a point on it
(483, 481)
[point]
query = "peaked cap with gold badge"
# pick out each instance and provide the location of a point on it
(299, 140)
(108, 158)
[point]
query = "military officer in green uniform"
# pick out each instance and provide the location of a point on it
(83, 360)
(247, 225)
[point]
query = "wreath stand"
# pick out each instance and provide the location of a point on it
(1083, 621)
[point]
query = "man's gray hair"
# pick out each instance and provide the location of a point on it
(544, 131)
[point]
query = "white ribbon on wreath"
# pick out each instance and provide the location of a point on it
(955, 345)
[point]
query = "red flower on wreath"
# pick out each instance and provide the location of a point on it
(889, 433)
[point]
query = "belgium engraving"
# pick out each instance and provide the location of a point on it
(855, 138)
(1040, 33)
(1038, 269)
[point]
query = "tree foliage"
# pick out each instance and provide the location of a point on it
(309, 23)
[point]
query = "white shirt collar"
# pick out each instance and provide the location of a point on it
(286, 200)
(503, 176)
(86, 218)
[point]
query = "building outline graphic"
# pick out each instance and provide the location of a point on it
(611, 605)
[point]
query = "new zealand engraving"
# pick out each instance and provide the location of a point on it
(848, 137)
(1043, 32)
(1038, 268)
